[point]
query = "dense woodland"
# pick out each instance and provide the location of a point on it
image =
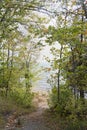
(22, 26)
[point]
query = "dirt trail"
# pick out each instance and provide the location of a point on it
(33, 121)
(36, 120)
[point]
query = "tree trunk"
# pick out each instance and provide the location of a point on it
(81, 93)
(59, 74)
(81, 89)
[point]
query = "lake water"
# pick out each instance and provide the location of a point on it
(42, 84)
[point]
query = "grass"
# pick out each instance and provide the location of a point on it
(8, 107)
(63, 123)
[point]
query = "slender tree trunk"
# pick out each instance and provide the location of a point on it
(9, 68)
(81, 93)
(3, 64)
(7, 82)
(58, 85)
(73, 70)
(59, 74)
(81, 89)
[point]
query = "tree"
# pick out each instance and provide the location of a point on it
(15, 15)
(70, 33)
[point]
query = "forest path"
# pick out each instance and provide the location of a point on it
(37, 120)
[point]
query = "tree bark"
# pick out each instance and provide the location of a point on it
(81, 89)
(59, 74)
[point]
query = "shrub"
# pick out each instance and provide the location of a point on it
(64, 100)
(21, 97)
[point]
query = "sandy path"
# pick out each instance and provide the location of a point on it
(36, 120)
